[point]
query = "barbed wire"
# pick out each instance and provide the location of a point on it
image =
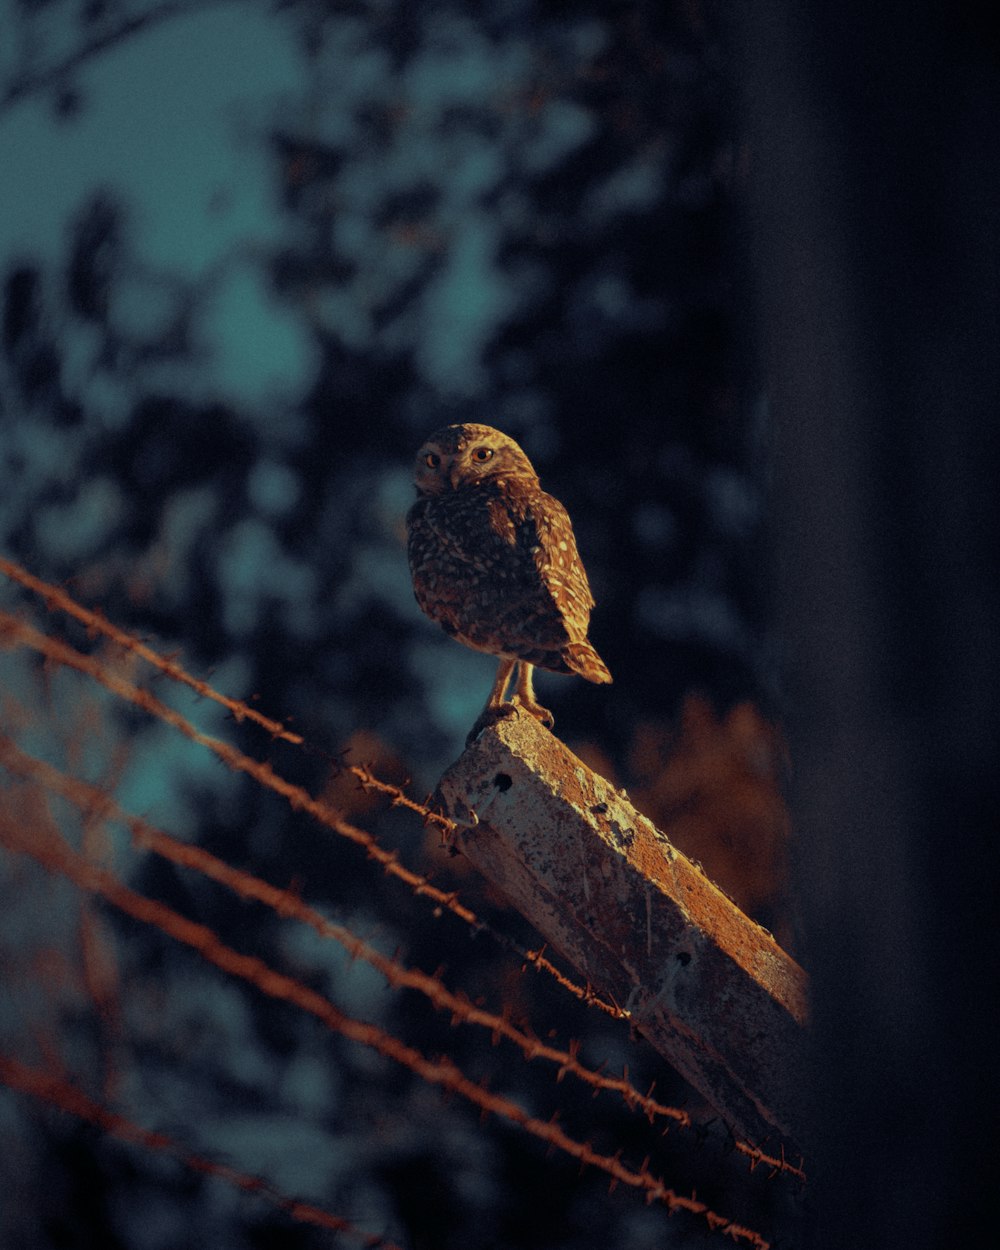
(91, 800)
(54, 597)
(49, 849)
(96, 623)
(57, 1092)
(15, 630)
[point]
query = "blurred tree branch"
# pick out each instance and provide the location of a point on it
(30, 81)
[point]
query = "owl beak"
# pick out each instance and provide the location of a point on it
(455, 475)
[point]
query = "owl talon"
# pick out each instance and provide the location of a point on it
(536, 710)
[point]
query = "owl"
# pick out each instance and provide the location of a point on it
(494, 562)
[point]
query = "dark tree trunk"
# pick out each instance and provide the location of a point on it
(875, 155)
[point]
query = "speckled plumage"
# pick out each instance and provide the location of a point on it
(494, 560)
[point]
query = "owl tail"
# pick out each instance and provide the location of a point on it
(581, 658)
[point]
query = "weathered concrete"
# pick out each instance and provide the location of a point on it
(709, 988)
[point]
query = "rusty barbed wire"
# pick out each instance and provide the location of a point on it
(49, 1088)
(17, 631)
(54, 597)
(96, 623)
(49, 849)
(90, 799)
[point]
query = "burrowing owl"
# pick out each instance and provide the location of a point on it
(494, 562)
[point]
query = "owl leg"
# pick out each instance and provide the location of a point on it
(525, 694)
(504, 671)
(495, 707)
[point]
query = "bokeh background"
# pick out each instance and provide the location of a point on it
(252, 253)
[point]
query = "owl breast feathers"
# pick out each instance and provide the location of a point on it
(493, 557)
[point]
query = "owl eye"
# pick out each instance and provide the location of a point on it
(482, 454)
(432, 460)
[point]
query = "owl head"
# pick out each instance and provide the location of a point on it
(460, 457)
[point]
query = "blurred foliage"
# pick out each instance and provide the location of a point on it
(520, 213)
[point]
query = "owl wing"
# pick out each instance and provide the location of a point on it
(500, 564)
(554, 584)
(558, 562)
